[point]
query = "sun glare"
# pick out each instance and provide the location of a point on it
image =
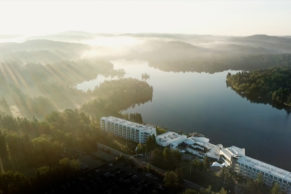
(103, 46)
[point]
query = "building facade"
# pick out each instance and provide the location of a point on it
(233, 156)
(127, 129)
(251, 168)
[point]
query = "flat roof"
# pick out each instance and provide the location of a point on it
(236, 150)
(266, 168)
(199, 139)
(202, 141)
(170, 137)
(130, 123)
(233, 151)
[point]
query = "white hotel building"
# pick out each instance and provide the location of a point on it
(251, 168)
(127, 129)
(233, 156)
(201, 147)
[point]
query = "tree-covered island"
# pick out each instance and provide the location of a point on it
(270, 86)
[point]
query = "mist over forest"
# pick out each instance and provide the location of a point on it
(49, 127)
(39, 74)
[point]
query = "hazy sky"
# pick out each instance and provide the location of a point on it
(219, 17)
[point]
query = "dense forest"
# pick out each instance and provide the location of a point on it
(35, 153)
(116, 95)
(49, 129)
(270, 86)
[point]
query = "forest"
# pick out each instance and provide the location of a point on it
(270, 86)
(35, 153)
(113, 96)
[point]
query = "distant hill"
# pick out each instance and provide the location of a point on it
(40, 51)
(212, 53)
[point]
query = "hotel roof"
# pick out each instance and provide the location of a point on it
(170, 137)
(235, 151)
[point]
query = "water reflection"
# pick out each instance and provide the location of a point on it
(133, 69)
(92, 84)
(202, 102)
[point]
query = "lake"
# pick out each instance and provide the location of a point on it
(203, 103)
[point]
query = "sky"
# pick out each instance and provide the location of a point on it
(216, 17)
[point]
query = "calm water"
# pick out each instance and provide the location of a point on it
(202, 102)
